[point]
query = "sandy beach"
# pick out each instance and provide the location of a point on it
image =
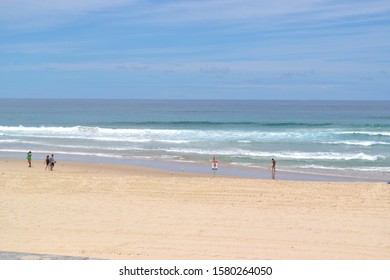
(124, 212)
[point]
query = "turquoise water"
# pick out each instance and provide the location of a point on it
(339, 138)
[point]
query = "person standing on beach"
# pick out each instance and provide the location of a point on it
(29, 158)
(52, 162)
(47, 162)
(273, 168)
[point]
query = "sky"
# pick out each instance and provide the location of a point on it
(195, 49)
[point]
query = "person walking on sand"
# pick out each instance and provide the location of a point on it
(29, 158)
(52, 162)
(273, 168)
(47, 162)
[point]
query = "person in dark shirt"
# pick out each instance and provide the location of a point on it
(273, 168)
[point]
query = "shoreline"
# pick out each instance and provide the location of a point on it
(204, 169)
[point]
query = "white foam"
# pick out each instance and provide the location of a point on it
(65, 153)
(9, 141)
(363, 168)
(358, 143)
(371, 133)
(102, 134)
(282, 155)
(179, 136)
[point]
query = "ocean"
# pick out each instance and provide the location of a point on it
(345, 140)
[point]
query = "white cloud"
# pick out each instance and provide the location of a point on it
(14, 9)
(44, 48)
(30, 14)
(230, 11)
(220, 11)
(297, 68)
(39, 13)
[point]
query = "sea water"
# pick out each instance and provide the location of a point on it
(337, 138)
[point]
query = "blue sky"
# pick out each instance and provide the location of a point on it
(229, 49)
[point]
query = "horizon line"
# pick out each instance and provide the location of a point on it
(182, 99)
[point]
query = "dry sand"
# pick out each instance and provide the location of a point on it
(124, 212)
